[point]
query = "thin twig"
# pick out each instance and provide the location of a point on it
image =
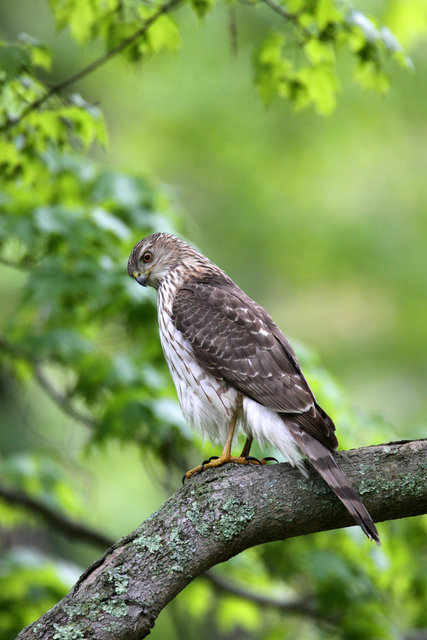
(277, 8)
(56, 396)
(232, 27)
(300, 607)
(287, 15)
(57, 520)
(13, 350)
(61, 400)
(98, 62)
(13, 264)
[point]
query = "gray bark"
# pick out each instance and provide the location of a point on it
(213, 517)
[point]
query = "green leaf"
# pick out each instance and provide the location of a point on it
(271, 71)
(202, 7)
(372, 77)
(82, 20)
(39, 51)
(321, 87)
(109, 222)
(163, 34)
(319, 51)
(327, 13)
(13, 60)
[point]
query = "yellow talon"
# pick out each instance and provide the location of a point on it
(218, 462)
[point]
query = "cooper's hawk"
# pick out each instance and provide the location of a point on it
(233, 367)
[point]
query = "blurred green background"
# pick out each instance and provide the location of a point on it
(322, 220)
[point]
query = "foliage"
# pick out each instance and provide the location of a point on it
(73, 299)
(30, 583)
(77, 326)
(324, 29)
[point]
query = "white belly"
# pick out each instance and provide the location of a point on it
(208, 404)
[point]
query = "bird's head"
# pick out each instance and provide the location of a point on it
(155, 256)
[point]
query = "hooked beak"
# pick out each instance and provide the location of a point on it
(141, 278)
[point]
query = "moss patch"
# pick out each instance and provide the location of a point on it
(119, 580)
(198, 519)
(151, 543)
(67, 632)
(234, 519)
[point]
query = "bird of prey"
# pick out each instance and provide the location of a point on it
(233, 368)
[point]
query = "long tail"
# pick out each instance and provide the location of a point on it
(323, 461)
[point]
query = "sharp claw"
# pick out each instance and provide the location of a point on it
(258, 461)
(198, 469)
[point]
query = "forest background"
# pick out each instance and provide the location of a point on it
(315, 204)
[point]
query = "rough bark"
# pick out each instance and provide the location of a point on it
(213, 517)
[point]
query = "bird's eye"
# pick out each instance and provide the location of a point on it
(147, 256)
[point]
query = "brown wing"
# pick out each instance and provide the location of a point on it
(237, 341)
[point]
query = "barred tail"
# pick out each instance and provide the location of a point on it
(323, 461)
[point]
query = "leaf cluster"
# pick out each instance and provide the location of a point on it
(323, 30)
(78, 312)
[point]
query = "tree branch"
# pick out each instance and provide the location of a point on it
(61, 399)
(288, 16)
(300, 607)
(281, 11)
(13, 264)
(95, 64)
(75, 530)
(58, 398)
(215, 516)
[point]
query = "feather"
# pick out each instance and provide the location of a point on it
(323, 461)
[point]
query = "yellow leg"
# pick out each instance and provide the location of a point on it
(226, 454)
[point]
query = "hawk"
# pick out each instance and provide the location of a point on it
(233, 368)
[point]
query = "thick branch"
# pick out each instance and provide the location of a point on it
(78, 531)
(215, 516)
